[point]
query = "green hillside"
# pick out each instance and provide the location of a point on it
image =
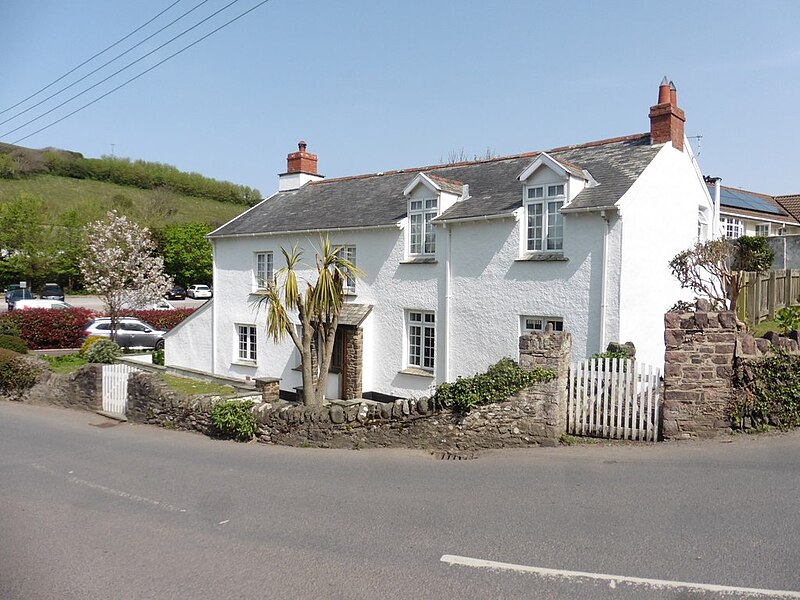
(92, 199)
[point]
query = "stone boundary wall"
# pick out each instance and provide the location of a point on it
(535, 415)
(81, 389)
(704, 352)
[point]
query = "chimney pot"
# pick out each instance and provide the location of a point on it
(663, 91)
(301, 146)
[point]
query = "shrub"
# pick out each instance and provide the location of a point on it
(500, 381)
(89, 342)
(103, 351)
(772, 391)
(7, 326)
(17, 372)
(13, 343)
(48, 328)
(788, 318)
(158, 357)
(161, 319)
(235, 419)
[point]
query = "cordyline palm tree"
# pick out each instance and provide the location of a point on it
(318, 309)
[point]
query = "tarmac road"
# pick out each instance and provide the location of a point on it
(94, 510)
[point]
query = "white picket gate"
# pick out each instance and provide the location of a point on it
(614, 398)
(115, 388)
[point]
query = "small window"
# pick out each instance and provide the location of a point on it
(539, 324)
(247, 342)
(422, 235)
(762, 230)
(349, 254)
(544, 221)
(263, 271)
(421, 339)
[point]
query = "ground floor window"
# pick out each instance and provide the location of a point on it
(421, 339)
(530, 324)
(247, 342)
(731, 228)
(762, 230)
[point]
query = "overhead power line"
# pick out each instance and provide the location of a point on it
(181, 51)
(115, 73)
(105, 64)
(88, 60)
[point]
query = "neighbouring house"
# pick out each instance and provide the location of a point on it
(742, 212)
(460, 259)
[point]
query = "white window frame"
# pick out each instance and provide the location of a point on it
(348, 252)
(702, 224)
(421, 339)
(732, 228)
(263, 269)
(246, 343)
(421, 211)
(544, 201)
(534, 323)
(762, 226)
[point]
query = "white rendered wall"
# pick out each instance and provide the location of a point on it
(659, 220)
(188, 345)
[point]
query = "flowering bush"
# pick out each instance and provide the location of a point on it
(103, 351)
(50, 328)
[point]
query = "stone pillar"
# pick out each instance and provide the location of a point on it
(270, 388)
(354, 360)
(550, 351)
(698, 373)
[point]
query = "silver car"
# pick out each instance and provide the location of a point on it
(132, 333)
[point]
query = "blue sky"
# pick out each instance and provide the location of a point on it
(378, 85)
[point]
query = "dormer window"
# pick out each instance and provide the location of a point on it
(545, 223)
(422, 237)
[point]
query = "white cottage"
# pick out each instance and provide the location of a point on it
(460, 259)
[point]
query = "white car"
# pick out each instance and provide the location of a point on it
(199, 291)
(40, 303)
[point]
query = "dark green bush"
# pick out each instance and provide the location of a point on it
(17, 372)
(14, 343)
(8, 326)
(500, 381)
(771, 391)
(235, 419)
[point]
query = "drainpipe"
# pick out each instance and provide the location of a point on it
(447, 304)
(715, 231)
(603, 284)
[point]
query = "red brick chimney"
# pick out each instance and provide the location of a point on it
(301, 161)
(666, 119)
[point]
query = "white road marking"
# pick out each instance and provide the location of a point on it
(110, 491)
(614, 580)
(225, 521)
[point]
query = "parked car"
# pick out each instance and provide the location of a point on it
(199, 291)
(10, 288)
(40, 303)
(132, 333)
(19, 294)
(176, 293)
(52, 291)
(159, 304)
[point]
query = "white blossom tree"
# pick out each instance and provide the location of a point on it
(120, 265)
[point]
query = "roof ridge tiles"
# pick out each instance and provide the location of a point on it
(615, 140)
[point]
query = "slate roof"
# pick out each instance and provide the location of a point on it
(377, 199)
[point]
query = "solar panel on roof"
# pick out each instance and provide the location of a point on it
(745, 201)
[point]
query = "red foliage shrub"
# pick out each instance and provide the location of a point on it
(161, 319)
(51, 328)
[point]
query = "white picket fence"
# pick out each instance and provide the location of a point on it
(115, 388)
(614, 398)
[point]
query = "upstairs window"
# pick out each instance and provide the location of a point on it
(545, 223)
(422, 237)
(349, 254)
(263, 270)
